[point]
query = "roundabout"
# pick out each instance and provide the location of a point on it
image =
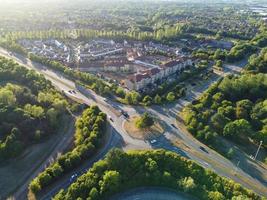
(148, 133)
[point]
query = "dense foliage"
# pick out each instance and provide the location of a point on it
(211, 18)
(90, 128)
(258, 63)
(121, 171)
(234, 108)
(30, 108)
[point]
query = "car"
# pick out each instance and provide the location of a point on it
(70, 91)
(206, 164)
(203, 149)
(153, 141)
(111, 119)
(193, 84)
(73, 177)
(74, 91)
(173, 125)
(125, 114)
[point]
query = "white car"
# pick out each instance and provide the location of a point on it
(153, 141)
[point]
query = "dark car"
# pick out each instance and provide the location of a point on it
(173, 125)
(111, 119)
(203, 149)
(125, 114)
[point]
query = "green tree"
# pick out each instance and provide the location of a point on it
(157, 99)
(238, 128)
(215, 195)
(147, 100)
(187, 184)
(7, 97)
(110, 182)
(94, 194)
(243, 109)
(145, 121)
(120, 92)
(170, 97)
(219, 64)
(35, 111)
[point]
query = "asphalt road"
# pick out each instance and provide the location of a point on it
(166, 113)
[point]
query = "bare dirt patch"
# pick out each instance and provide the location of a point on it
(146, 133)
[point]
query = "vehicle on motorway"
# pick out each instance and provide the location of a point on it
(153, 141)
(173, 125)
(125, 114)
(206, 164)
(73, 177)
(203, 149)
(111, 119)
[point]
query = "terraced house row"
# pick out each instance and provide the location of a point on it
(142, 79)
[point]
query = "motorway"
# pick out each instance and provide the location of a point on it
(167, 114)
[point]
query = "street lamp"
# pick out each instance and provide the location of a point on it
(258, 150)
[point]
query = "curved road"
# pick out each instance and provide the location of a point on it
(212, 160)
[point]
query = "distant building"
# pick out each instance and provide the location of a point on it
(117, 64)
(220, 44)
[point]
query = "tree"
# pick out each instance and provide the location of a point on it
(145, 121)
(187, 184)
(120, 92)
(52, 115)
(219, 121)
(170, 97)
(35, 186)
(237, 128)
(7, 97)
(157, 99)
(110, 182)
(215, 195)
(147, 100)
(243, 109)
(135, 97)
(230, 153)
(34, 110)
(94, 194)
(219, 64)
